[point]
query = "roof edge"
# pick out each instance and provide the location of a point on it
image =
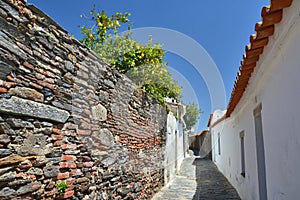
(271, 15)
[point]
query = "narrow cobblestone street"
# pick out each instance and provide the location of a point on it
(198, 179)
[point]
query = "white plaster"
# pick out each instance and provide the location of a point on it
(275, 84)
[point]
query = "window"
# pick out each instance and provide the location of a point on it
(242, 137)
(219, 144)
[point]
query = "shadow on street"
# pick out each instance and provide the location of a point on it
(211, 184)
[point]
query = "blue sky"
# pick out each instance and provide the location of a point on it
(222, 28)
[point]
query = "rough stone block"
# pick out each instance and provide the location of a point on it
(29, 188)
(106, 138)
(18, 106)
(51, 171)
(35, 144)
(8, 176)
(27, 93)
(35, 171)
(4, 128)
(5, 152)
(7, 193)
(99, 112)
(4, 139)
(18, 123)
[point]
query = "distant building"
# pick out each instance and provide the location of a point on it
(200, 144)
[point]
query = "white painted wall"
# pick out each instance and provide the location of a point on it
(174, 153)
(229, 162)
(276, 84)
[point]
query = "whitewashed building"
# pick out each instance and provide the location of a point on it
(176, 140)
(256, 142)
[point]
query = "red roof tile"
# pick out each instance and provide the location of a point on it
(271, 15)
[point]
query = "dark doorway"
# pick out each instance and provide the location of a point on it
(260, 153)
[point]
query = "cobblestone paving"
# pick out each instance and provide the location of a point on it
(199, 179)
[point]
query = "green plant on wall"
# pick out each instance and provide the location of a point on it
(144, 64)
(61, 186)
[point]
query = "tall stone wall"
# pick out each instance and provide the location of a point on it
(66, 115)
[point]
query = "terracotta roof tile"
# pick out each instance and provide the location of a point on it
(271, 15)
(279, 4)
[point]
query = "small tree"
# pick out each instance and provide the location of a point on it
(144, 64)
(192, 115)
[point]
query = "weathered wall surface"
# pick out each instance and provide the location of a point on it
(66, 115)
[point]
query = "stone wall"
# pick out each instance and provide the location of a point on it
(66, 115)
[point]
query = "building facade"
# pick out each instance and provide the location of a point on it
(256, 142)
(176, 140)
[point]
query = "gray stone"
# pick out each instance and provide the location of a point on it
(19, 139)
(35, 144)
(115, 179)
(109, 83)
(4, 128)
(38, 124)
(99, 112)
(61, 105)
(18, 123)
(5, 69)
(12, 11)
(26, 164)
(26, 93)
(54, 160)
(115, 109)
(44, 131)
(81, 82)
(4, 139)
(3, 14)
(46, 124)
(103, 96)
(69, 66)
(72, 152)
(69, 78)
(40, 161)
(29, 188)
(19, 182)
(51, 171)
(110, 160)
(4, 170)
(106, 138)
(18, 106)
(5, 152)
(96, 152)
(8, 176)
(35, 171)
(9, 45)
(7, 193)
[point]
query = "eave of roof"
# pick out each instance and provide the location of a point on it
(209, 120)
(218, 121)
(271, 15)
(199, 133)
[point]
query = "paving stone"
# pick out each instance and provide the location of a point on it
(198, 179)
